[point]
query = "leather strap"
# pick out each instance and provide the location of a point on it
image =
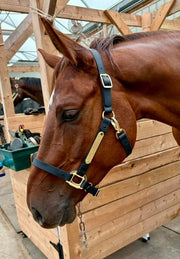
(106, 81)
(125, 143)
(88, 187)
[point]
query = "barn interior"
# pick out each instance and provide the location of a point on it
(21, 34)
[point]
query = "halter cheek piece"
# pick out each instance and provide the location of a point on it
(78, 179)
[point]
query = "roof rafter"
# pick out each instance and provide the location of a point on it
(18, 37)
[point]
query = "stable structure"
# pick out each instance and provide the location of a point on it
(135, 197)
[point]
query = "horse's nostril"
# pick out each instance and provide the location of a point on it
(37, 216)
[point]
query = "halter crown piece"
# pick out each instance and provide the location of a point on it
(78, 178)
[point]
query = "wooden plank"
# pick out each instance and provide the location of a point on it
(171, 24)
(94, 15)
(105, 30)
(49, 7)
(127, 236)
(31, 122)
(161, 15)
(131, 185)
(20, 6)
(140, 166)
(18, 37)
(175, 8)
(146, 21)
(116, 225)
(126, 205)
(60, 5)
(116, 19)
(13, 69)
(151, 128)
(152, 145)
(40, 43)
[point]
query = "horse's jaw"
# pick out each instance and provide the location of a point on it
(52, 205)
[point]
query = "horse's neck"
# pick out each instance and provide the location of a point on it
(32, 89)
(151, 80)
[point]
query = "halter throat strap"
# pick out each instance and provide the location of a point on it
(78, 179)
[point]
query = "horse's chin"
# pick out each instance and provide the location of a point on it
(67, 218)
(62, 222)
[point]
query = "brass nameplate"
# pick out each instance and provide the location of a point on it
(94, 147)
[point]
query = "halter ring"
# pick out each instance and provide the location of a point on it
(79, 177)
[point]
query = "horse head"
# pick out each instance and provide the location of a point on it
(17, 93)
(72, 123)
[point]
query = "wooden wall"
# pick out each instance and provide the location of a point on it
(135, 198)
(32, 122)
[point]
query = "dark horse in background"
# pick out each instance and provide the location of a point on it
(145, 72)
(26, 87)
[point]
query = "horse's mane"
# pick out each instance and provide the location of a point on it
(32, 82)
(109, 42)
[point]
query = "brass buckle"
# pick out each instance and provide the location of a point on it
(102, 81)
(74, 184)
(116, 126)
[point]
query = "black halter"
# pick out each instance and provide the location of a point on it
(77, 179)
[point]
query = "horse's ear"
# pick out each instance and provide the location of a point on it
(50, 59)
(76, 53)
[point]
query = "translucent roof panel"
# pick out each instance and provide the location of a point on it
(95, 4)
(11, 20)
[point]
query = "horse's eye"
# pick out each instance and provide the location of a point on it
(70, 115)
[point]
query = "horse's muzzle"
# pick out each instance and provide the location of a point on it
(51, 218)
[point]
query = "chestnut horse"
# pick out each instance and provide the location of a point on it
(145, 73)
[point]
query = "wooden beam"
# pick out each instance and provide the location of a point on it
(175, 8)
(18, 37)
(38, 29)
(43, 41)
(161, 15)
(13, 69)
(5, 87)
(171, 24)
(49, 6)
(116, 19)
(146, 21)
(20, 6)
(93, 15)
(61, 4)
(105, 30)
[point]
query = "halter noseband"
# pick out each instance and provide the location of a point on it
(78, 178)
